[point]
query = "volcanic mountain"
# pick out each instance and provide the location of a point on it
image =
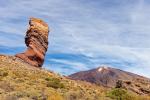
(109, 77)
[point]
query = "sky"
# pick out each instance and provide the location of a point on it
(84, 34)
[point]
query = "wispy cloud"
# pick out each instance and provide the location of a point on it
(70, 64)
(100, 32)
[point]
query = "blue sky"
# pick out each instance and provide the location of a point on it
(84, 34)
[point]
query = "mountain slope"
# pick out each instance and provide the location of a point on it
(108, 77)
(21, 81)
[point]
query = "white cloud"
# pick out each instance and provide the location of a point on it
(75, 65)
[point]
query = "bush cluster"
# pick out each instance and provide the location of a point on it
(54, 83)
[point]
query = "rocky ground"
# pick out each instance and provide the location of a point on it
(21, 81)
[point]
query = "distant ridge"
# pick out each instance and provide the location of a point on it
(108, 77)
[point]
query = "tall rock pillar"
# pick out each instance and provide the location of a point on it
(36, 40)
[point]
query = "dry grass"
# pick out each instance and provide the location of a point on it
(20, 81)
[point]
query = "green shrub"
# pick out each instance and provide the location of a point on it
(120, 94)
(54, 83)
(74, 95)
(3, 73)
(119, 84)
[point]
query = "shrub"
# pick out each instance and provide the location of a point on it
(54, 83)
(3, 74)
(128, 82)
(119, 84)
(74, 95)
(145, 90)
(55, 96)
(120, 94)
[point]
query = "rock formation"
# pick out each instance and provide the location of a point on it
(36, 40)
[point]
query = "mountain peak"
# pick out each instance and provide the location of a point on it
(107, 76)
(100, 69)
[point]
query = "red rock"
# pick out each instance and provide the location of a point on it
(36, 40)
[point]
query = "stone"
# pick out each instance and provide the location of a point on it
(36, 40)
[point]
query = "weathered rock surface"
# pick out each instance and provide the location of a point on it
(36, 40)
